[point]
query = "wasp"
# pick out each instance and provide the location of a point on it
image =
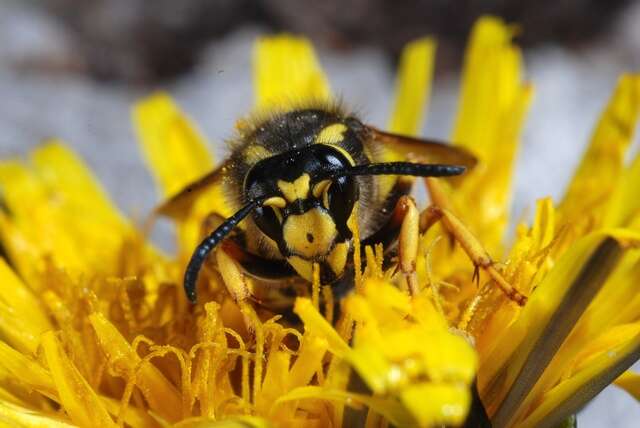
(299, 180)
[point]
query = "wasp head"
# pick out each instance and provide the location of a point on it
(307, 209)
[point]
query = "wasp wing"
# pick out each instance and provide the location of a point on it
(180, 204)
(423, 150)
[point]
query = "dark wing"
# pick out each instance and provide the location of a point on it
(180, 204)
(424, 151)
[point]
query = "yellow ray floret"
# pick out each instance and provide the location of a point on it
(176, 151)
(603, 163)
(286, 72)
(630, 382)
(493, 104)
(413, 86)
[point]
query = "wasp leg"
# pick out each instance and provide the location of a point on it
(403, 225)
(232, 275)
(254, 265)
(470, 244)
(388, 233)
(236, 282)
(408, 242)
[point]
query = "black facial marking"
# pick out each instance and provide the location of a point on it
(317, 161)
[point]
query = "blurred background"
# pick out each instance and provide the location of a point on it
(71, 69)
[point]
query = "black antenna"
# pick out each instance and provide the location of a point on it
(400, 168)
(202, 251)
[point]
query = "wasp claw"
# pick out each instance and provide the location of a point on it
(476, 275)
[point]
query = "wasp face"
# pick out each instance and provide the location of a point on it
(306, 213)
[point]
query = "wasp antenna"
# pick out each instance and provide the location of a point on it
(403, 168)
(202, 251)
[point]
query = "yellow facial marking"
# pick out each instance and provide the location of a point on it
(332, 134)
(254, 153)
(299, 189)
(319, 188)
(275, 201)
(302, 266)
(338, 258)
(310, 234)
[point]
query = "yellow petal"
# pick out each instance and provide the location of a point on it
(493, 103)
(76, 396)
(438, 404)
(287, 73)
(630, 382)
(596, 322)
(28, 371)
(33, 228)
(527, 346)
(413, 85)
(276, 379)
(570, 395)
(624, 206)
(133, 416)
(309, 361)
(62, 170)
(601, 166)
(234, 422)
(12, 416)
(22, 318)
(55, 208)
(491, 86)
(176, 152)
(177, 155)
(389, 408)
(162, 396)
(316, 324)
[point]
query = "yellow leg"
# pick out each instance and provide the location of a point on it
(408, 242)
(471, 246)
(236, 282)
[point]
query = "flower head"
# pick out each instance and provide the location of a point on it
(96, 331)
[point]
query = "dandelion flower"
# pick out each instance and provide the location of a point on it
(95, 330)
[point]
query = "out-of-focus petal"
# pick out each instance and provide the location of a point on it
(286, 73)
(176, 152)
(592, 329)
(603, 368)
(602, 165)
(446, 404)
(233, 422)
(32, 374)
(630, 382)
(12, 416)
(55, 208)
(390, 408)
(493, 103)
(178, 156)
(62, 170)
(413, 86)
(624, 206)
(22, 317)
(527, 346)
